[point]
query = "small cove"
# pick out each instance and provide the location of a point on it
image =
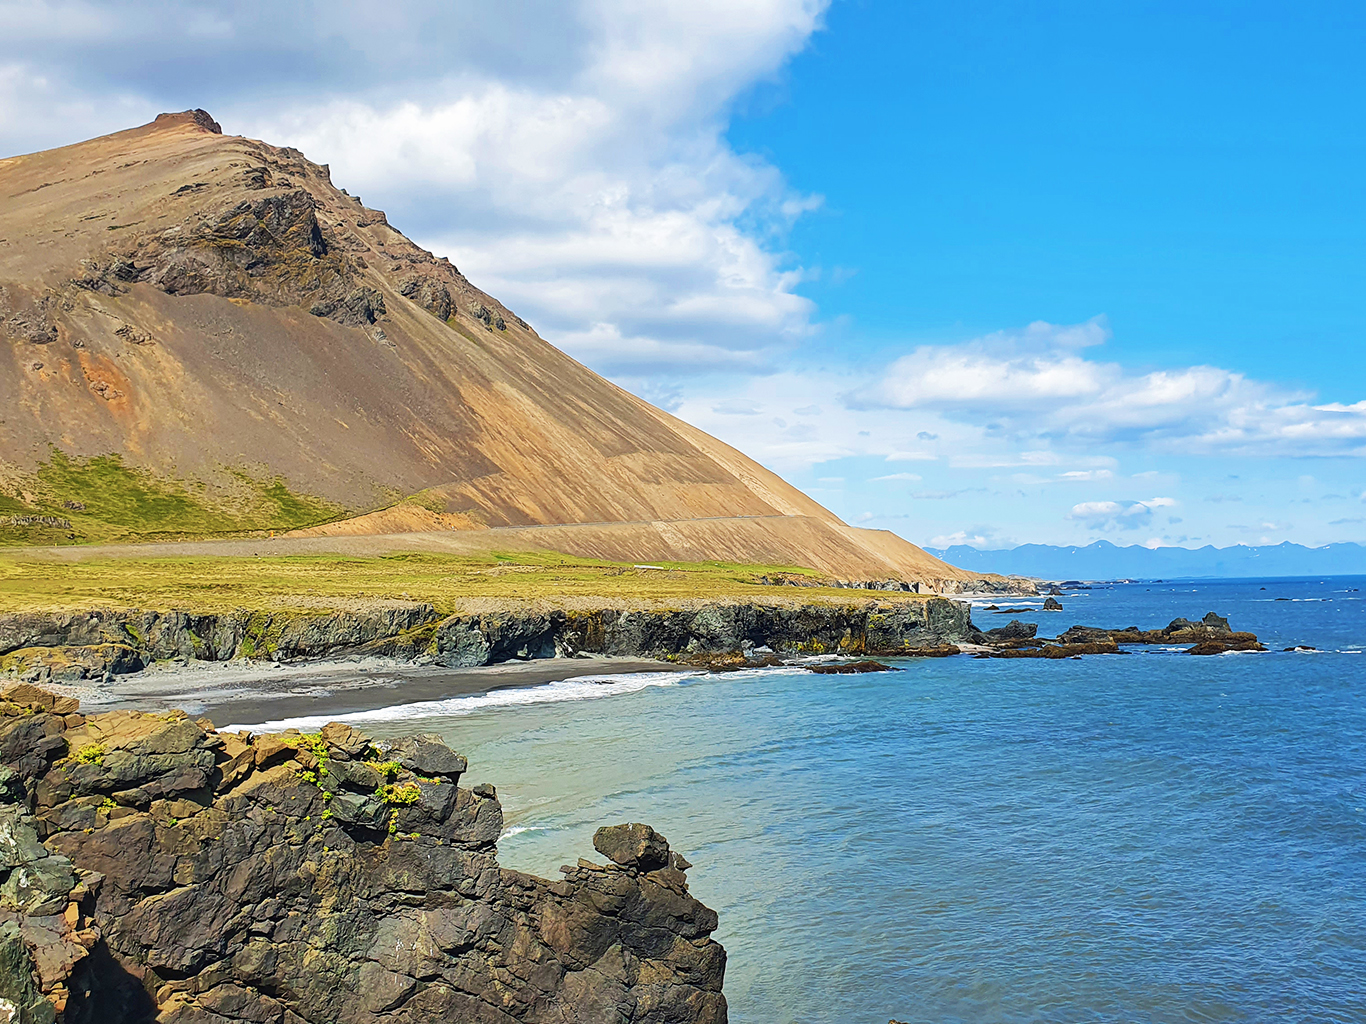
(1151, 837)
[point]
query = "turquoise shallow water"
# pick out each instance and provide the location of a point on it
(1151, 837)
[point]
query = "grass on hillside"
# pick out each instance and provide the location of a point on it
(104, 500)
(206, 584)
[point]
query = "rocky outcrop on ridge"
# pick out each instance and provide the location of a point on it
(152, 868)
(71, 646)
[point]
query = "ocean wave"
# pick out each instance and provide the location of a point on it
(517, 830)
(579, 688)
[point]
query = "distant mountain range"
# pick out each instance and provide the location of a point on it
(1103, 560)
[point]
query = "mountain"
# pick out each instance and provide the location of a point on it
(203, 335)
(1103, 560)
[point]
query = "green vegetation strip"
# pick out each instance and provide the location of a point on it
(207, 584)
(82, 501)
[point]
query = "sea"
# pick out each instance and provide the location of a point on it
(1148, 837)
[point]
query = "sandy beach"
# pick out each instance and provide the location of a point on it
(239, 692)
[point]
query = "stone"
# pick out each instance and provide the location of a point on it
(1052, 604)
(634, 845)
(344, 739)
(845, 668)
(1215, 622)
(1012, 630)
(1232, 643)
(29, 696)
(427, 755)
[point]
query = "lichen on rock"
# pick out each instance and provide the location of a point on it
(188, 876)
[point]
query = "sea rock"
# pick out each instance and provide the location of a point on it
(427, 755)
(1234, 642)
(1059, 650)
(1052, 604)
(846, 668)
(313, 878)
(1212, 629)
(1012, 630)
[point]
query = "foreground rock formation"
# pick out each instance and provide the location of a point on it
(154, 869)
(71, 646)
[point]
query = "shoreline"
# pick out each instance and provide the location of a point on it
(232, 692)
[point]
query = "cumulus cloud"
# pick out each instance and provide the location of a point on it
(1040, 382)
(1076, 476)
(1121, 515)
(571, 157)
(948, 540)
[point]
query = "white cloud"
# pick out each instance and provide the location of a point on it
(737, 407)
(1091, 509)
(606, 210)
(570, 158)
(1038, 384)
(948, 540)
(900, 456)
(896, 476)
(1124, 515)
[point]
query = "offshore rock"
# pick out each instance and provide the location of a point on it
(1012, 630)
(152, 868)
(849, 668)
(1211, 635)
(1059, 650)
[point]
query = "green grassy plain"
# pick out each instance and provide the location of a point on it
(206, 584)
(106, 501)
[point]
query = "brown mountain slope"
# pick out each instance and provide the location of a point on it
(211, 309)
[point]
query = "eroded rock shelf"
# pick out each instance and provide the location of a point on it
(152, 868)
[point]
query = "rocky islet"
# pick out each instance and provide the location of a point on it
(1211, 635)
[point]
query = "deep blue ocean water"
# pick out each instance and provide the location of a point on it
(1147, 837)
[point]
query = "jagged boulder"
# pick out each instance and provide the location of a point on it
(632, 846)
(153, 868)
(1012, 630)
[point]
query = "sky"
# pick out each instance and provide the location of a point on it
(986, 273)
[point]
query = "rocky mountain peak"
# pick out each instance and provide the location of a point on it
(198, 116)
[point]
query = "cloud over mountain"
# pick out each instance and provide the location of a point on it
(570, 157)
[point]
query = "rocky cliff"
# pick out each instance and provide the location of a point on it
(154, 869)
(70, 646)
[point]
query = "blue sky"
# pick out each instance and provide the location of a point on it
(1193, 171)
(982, 272)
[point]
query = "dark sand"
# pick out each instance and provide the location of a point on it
(258, 693)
